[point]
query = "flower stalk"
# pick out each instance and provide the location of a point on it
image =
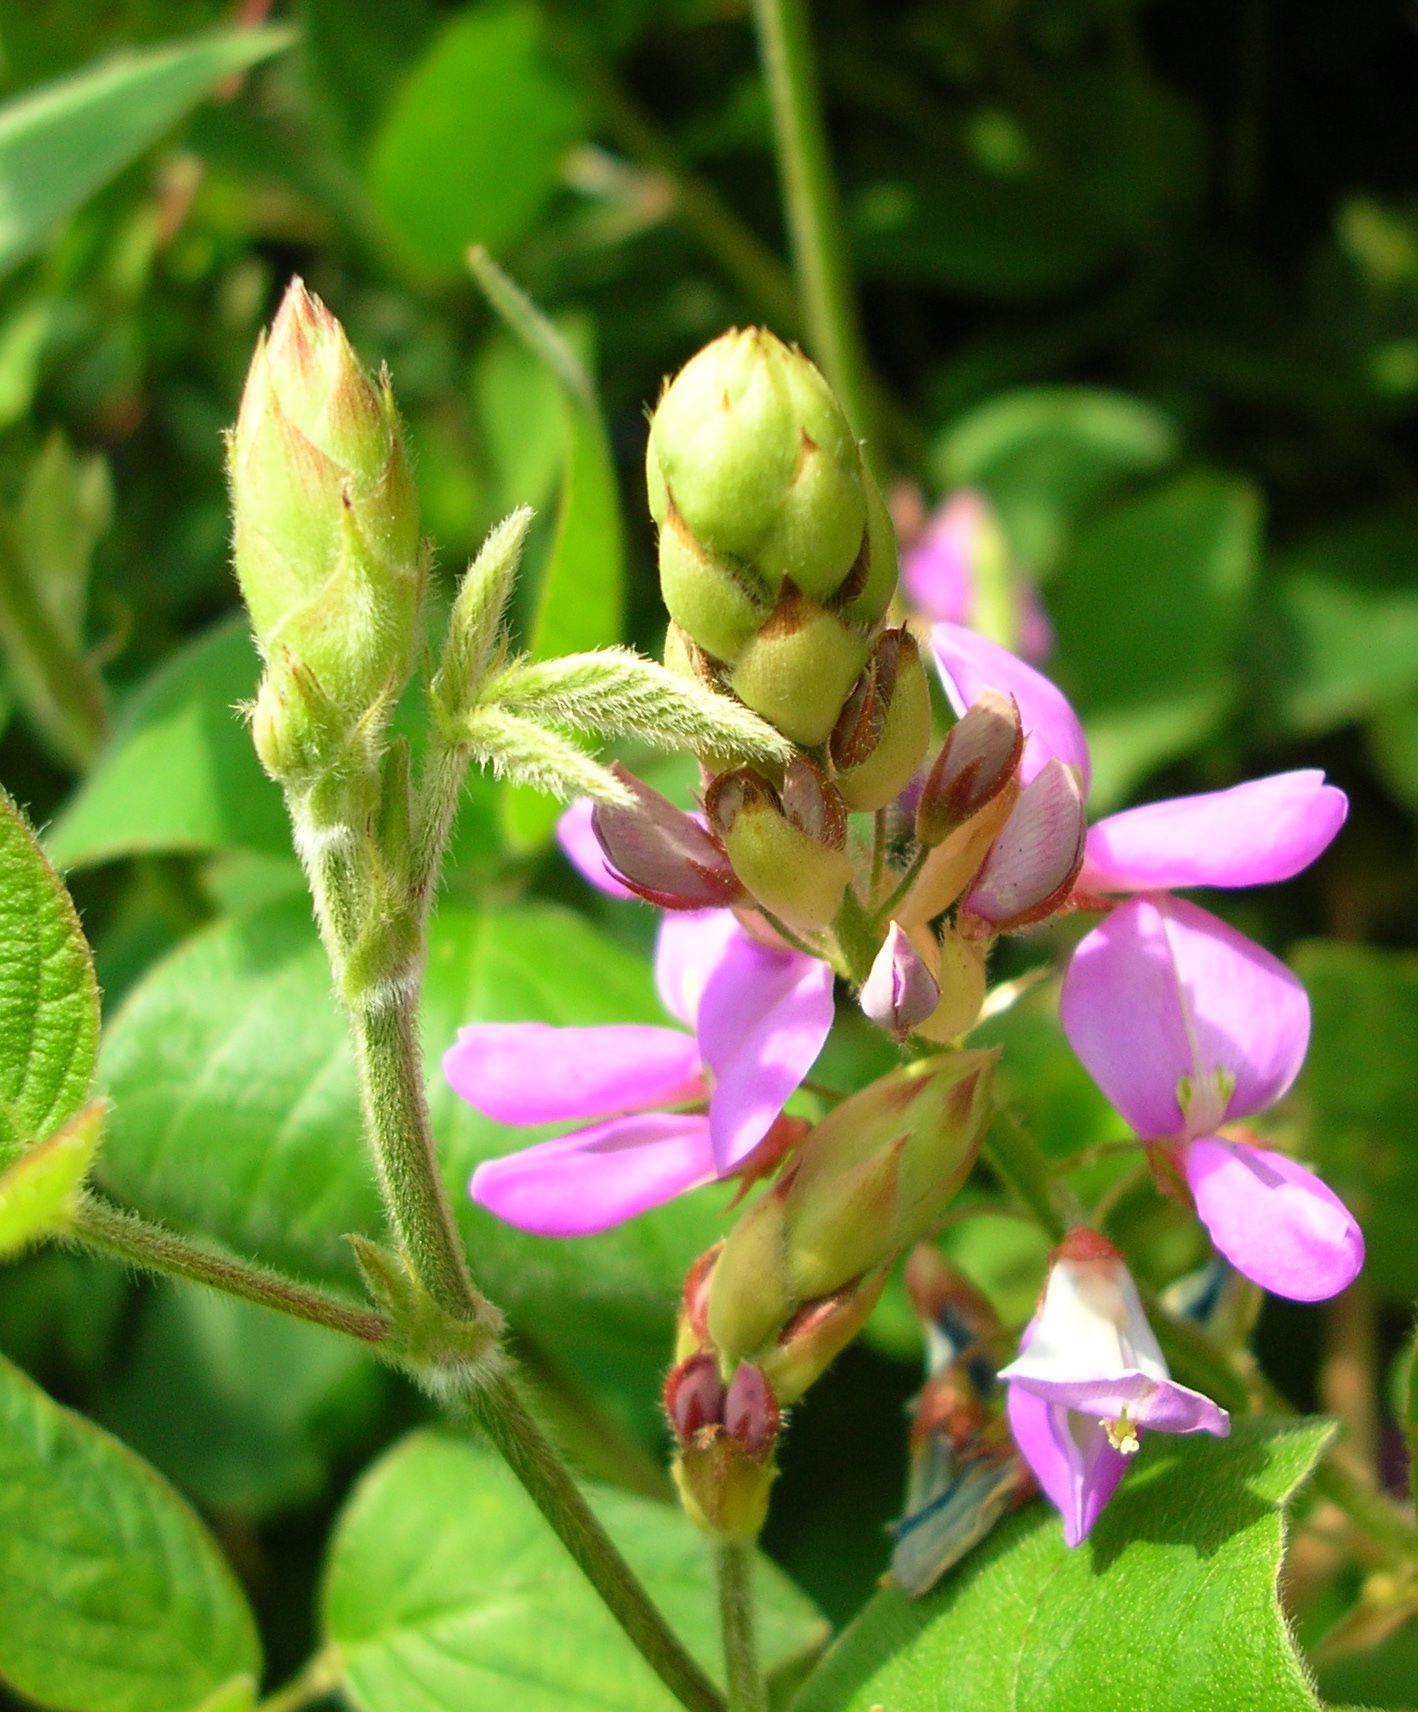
(738, 1620)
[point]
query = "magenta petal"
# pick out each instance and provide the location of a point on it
(533, 1073)
(1274, 1221)
(1253, 834)
(970, 664)
(577, 838)
(579, 1184)
(763, 1018)
(1076, 1467)
(690, 946)
(1162, 997)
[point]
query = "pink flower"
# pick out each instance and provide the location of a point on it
(1187, 1025)
(754, 1019)
(959, 554)
(1183, 1022)
(1088, 1379)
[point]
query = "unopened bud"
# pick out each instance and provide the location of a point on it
(1033, 863)
(775, 554)
(325, 534)
(694, 1397)
(863, 1186)
(818, 1333)
(751, 1413)
(787, 850)
(901, 991)
(692, 1330)
(662, 854)
(976, 765)
(884, 727)
(959, 964)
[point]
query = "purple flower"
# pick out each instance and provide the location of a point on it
(1088, 1379)
(1183, 1022)
(960, 552)
(755, 1017)
(1186, 1025)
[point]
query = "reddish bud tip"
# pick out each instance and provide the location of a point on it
(751, 1413)
(664, 855)
(694, 1397)
(1081, 1243)
(979, 758)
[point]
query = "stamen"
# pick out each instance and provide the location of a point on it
(1122, 1434)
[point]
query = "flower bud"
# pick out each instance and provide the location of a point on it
(959, 967)
(884, 727)
(694, 1397)
(787, 850)
(662, 854)
(326, 539)
(1033, 863)
(901, 991)
(791, 1284)
(776, 555)
(976, 764)
(751, 1413)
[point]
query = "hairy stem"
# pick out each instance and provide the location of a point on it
(108, 1229)
(396, 1122)
(440, 789)
(814, 218)
(733, 1563)
(499, 1410)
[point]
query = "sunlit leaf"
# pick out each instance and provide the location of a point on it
(1170, 1606)
(446, 1591)
(48, 996)
(113, 1597)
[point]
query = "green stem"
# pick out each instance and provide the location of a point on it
(814, 218)
(319, 1678)
(384, 1023)
(738, 1621)
(445, 772)
(396, 1122)
(882, 912)
(499, 1410)
(149, 1246)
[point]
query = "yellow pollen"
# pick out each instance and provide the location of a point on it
(1122, 1435)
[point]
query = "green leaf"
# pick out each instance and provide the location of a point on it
(48, 996)
(581, 597)
(1047, 455)
(180, 772)
(267, 1402)
(1149, 605)
(38, 1190)
(1170, 1606)
(113, 1597)
(236, 1114)
(1356, 1096)
(61, 143)
(471, 147)
(446, 1591)
(1344, 624)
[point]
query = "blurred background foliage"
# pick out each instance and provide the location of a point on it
(1144, 272)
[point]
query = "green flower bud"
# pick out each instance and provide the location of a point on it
(799, 1272)
(325, 537)
(776, 553)
(787, 850)
(881, 736)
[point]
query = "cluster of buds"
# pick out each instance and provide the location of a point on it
(766, 1311)
(725, 1437)
(777, 557)
(326, 544)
